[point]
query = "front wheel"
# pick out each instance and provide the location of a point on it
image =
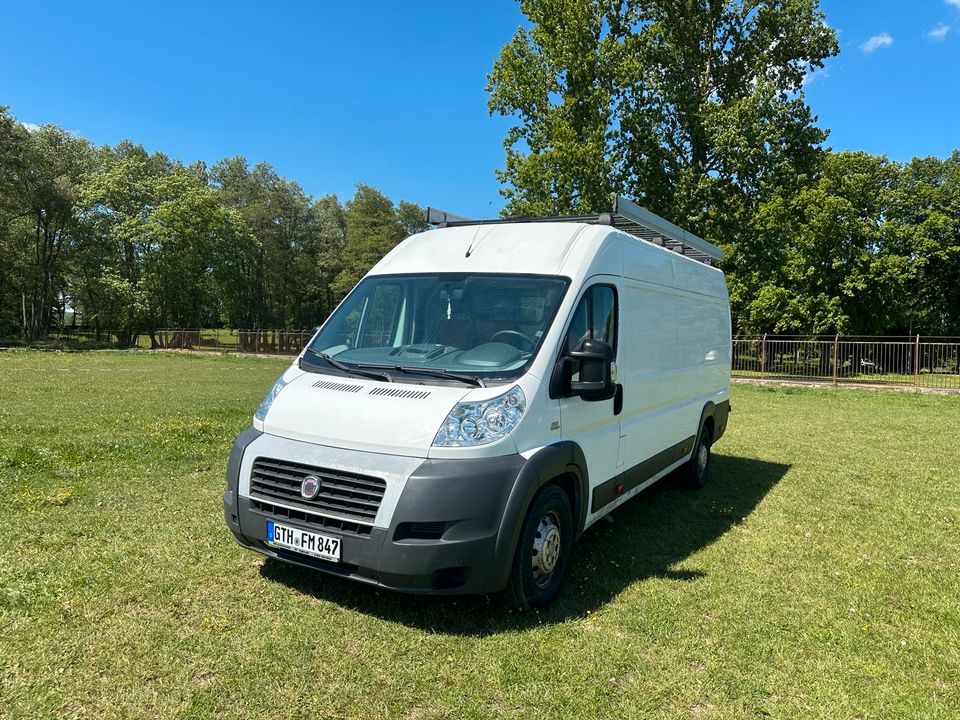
(543, 551)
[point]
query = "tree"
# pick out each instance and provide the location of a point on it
(560, 80)
(41, 173)
(165, 244)
(329, 249)
(924, 222)
(681, 104)
(694, 108)
(833, 264)
(373, 228)
(13, 143)
(280, 288)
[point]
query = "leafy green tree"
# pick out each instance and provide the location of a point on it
(41, 173)
(373, 228)
(13, 224)
(328, 258)
(833, 263)
(560, 79)
(280, 288)
(692, 107)
(165, 243)
(924, 224)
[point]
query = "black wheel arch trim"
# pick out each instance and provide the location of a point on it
(719, 412)
(560, 459)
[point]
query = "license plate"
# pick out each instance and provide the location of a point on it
(304, 541)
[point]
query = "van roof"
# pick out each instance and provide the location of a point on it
(535, 248)
(570, 249)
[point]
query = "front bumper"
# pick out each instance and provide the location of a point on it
(453, 529)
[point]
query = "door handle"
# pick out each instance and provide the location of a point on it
(618, 400)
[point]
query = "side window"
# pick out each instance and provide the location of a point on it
(603, 316)
(595, 318)
(579, 329)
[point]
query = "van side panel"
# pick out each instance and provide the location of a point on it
(703, 350)
(647, 371)
(674, 361)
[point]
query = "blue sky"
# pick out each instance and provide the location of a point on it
(391, 93)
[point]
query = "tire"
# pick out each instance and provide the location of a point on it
(543, 551)
(696, 471)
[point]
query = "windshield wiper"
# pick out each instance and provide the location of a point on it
(435, 372)
(346, 368)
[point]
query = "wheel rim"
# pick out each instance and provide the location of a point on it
(703, 455)
(546, 548)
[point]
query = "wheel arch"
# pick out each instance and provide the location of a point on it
(714, 416)
(562, 464)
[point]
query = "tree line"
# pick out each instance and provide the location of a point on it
(135, 241)
(694, 109)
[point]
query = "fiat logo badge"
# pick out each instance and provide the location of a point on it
(310, 487)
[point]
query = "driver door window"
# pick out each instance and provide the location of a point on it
(594, 319)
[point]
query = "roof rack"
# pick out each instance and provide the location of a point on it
(627, 216)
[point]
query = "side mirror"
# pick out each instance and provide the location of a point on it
(598, 371)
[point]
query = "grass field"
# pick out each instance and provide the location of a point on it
(817, 575)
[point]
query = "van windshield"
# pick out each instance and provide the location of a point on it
(479, 326)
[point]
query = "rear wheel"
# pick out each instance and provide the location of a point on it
(543, 550)
(696, 471)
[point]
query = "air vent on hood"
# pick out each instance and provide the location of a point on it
(342, 387)
(397, 393)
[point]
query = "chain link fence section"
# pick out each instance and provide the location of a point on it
(923, 362)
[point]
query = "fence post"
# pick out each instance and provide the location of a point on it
(916, 362)
(836, 355)
(763, 356)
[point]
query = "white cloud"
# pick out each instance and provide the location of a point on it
(954, 3)
(819, 74)
(879, 41)
(939, 32)
(31, 127)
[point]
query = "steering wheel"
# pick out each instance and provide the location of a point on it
(513, 333)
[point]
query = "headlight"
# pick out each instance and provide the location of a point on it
(261, 413)
(479, 423)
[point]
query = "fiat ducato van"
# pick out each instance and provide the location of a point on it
(485, 394)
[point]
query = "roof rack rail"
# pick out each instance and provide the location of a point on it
(627, 217)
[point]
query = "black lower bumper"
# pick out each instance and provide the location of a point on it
(408, 565)
(454, 529)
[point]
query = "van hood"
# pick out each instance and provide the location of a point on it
(396, 418)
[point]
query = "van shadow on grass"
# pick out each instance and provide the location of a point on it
(651, 535)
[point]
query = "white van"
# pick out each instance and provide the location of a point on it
(484, 395)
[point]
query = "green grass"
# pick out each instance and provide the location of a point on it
(816, 576)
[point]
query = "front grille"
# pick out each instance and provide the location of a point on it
(344, 494)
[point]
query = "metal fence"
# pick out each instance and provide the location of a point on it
(279, 342)
(925, 362)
